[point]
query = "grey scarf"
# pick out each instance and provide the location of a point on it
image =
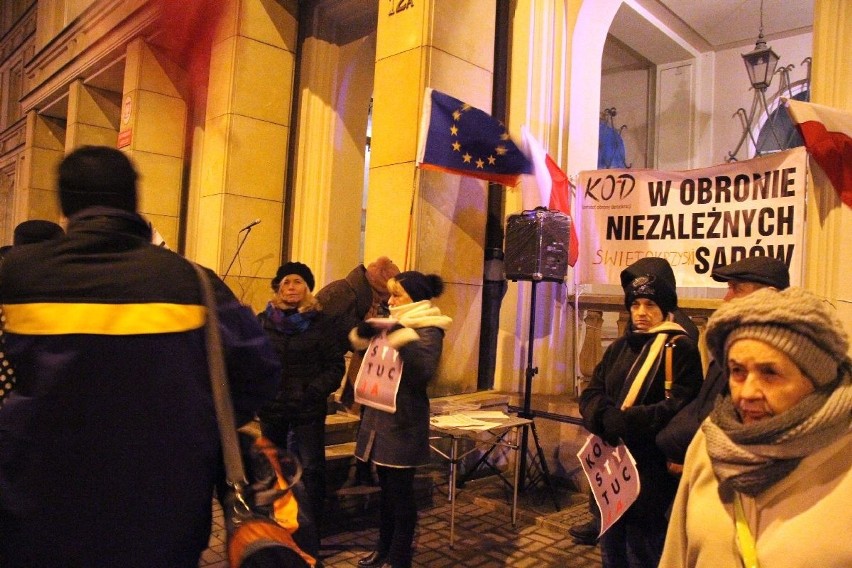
(751, 458)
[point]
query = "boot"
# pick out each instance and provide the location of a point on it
(585, 533)
(373, 560)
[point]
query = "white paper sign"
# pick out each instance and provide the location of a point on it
(379, 376)
(613, 477)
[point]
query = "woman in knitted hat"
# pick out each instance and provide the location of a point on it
(311, 350)
(361, 295)
(768, 478)
(630, 398)
(397, 443)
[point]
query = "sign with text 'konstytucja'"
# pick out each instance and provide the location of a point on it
(612, 475)
(379, 376)
(696, 219)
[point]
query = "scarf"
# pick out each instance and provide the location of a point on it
(289, 321)
(750, 458)
(646, 364)
(420, 314)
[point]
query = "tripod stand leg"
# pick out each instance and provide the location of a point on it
(538, 461)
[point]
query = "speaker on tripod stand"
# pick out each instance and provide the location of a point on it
(536, 249)
(537, 245)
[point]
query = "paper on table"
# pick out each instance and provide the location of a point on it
(459, 421)
(486, 414)
(469, 420)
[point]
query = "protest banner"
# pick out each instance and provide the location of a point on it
(696, 219)
(379, 375)
(613, 477)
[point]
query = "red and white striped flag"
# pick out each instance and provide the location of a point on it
(548, 186)
(827, 133)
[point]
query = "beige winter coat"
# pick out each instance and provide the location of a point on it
(803, 520)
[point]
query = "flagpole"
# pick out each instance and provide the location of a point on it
(408, 233)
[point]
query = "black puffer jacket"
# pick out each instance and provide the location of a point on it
(312, 368)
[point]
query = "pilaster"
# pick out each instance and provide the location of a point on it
(829, 222)
(428, 221)
(45, 147)
(246, 139)
(152, 130)
(93, 116)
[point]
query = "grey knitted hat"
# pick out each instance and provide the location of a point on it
(793, 321)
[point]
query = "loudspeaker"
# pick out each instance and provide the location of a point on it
(537, 245)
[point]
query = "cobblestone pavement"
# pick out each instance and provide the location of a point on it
(484, 535)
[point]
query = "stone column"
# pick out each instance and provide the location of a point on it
(152, 130)
(45, 147)
(829, 221)
(429, 221)
(245, 145)
(93, 116)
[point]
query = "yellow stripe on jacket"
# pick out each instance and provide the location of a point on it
(102, 319)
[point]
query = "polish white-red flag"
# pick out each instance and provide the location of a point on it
(548, 187)
(827, 133)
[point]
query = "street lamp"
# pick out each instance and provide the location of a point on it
(760, 62)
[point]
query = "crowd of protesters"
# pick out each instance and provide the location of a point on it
(110, 453)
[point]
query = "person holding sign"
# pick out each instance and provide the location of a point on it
(588, 532)
(311, 349)
(768, 478)
(397, 442)
(629, 399)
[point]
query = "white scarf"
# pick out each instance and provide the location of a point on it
(420, 314)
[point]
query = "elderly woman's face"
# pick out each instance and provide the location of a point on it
(292, 290)
(763, 380)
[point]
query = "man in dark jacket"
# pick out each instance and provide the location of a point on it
(26, 233)
(109, 446)
(743, 277)
(362, 295)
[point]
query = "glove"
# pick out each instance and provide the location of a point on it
(365, 330)
(614, 426)
(637, 420)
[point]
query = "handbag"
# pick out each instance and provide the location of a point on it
(261, 518)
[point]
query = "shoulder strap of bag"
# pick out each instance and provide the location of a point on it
(669, 364)
(745, 539)
(639, 380)
(234, 470)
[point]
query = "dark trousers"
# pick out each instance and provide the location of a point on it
(306, 439)
(634, 541)
(594, 510)
(398, 514)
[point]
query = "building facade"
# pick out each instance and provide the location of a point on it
(305, 115)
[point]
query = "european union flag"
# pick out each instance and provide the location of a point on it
(460, 139)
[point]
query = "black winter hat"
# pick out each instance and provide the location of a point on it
(294, 268)
(97, 176)
(651, 278)
(761, 269)
(420, 286)
(36, 231)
